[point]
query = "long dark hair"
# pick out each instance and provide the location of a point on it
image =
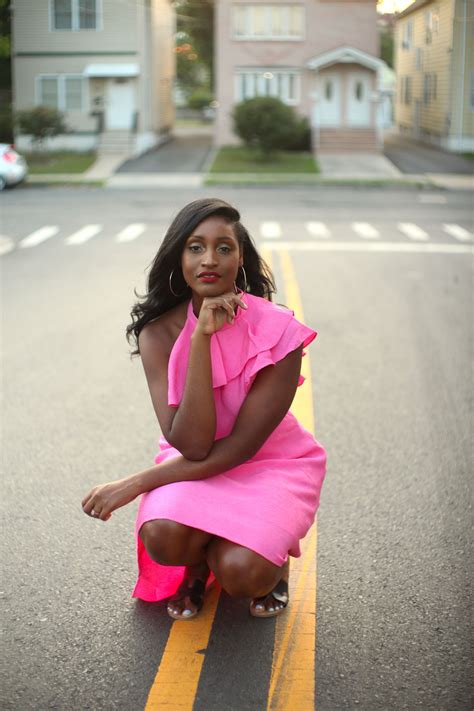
(159, 298)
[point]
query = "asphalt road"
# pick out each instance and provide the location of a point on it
(392, 392)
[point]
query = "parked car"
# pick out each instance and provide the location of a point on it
(13, 167)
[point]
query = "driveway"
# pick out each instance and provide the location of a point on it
(186, 152)
(416, 158)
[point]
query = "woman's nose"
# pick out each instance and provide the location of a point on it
(209, 257)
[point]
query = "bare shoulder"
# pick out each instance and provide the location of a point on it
(160, 334)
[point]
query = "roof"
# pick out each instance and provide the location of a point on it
(414, 6)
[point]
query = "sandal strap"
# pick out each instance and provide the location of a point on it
(279, 592)
(195, 592)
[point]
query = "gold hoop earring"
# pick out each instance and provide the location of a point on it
(171, 287)
(245, 280)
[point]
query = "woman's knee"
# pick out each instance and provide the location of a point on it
(240, 571)
(168, 542)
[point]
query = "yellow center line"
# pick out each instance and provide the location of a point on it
(178, 675)
(292, 682)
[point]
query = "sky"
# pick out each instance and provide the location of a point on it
(393, 5)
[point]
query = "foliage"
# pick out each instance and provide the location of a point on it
(200, 98)
(195, 19)
(191, 72)
(387, 47)
(239, 159)
(41, 122)
(267, 123)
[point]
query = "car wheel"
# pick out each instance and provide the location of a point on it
(3, 183)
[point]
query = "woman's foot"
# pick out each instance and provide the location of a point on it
(275, 602)
(189, 597)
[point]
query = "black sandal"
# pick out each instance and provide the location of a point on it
(195, 592)
(280, 593)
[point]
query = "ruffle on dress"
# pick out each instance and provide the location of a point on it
(260, 336)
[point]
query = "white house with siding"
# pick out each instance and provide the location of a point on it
(107, 64)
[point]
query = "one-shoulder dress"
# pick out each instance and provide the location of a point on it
(266, 504)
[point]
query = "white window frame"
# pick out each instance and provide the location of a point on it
(99, 25)
(61, 83)
(268, 36)
(407, 35)
(275, 83)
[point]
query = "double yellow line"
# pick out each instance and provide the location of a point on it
(292, 681)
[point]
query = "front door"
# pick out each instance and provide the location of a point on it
(330, 99)
(120, 104)
(358, 99)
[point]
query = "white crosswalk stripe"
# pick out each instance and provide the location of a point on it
(318, 229)
(270, 230)
(458, 232)
(365, 230)
(6, 245)
(39, 236)
(83, 235)
(131, 232)
(412, 231)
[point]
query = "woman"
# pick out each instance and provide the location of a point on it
(237, 480)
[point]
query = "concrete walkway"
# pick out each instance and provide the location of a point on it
(356, 166)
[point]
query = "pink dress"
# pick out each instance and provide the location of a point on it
(266, 504)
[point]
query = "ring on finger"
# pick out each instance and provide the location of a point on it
(94, 513)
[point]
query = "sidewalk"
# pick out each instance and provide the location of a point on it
(183, 162)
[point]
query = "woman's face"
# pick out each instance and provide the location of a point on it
(211, 258)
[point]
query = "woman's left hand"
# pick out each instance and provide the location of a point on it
(105, 498)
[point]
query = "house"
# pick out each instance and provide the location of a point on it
(319, 56)
(434, 62)
(107, 64)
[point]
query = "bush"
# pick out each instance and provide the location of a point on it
(40, 123)
(199, 99)
(269, 124)
(300, 140)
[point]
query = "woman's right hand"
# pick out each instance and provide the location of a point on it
(218, 310)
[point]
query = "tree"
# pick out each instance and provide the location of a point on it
(40, 123)
(195, 23)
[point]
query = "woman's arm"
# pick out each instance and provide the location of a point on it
(191, 427)
(264, 408)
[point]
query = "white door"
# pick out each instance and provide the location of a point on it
(329, 99)
(120, 104)
(358, 99)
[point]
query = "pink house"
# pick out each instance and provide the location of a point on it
(320, 56)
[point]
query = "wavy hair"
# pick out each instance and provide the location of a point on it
(158, 298)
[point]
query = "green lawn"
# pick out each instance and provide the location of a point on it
(235, 159)
(60, 162)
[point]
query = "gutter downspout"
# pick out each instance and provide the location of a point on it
(463, 69)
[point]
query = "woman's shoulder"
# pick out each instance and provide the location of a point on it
(163, 331)
(262, 307)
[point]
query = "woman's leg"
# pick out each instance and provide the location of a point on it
(171, 543)
(241, 571)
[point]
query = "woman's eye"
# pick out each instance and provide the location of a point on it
(224, 249)
(194, 247)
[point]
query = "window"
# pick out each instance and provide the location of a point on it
(419, 57)
(407, 35)
(405, 90)
(268, 22)
(359, 91)
(429, 88)
(64, 92)
(284, 85)
(431, 24)
(74, 15)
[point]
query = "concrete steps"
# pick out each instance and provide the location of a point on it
(333, 140)
(115, 142)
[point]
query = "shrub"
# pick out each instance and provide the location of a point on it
(199, 99)
(269, 124)
(40, 123)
